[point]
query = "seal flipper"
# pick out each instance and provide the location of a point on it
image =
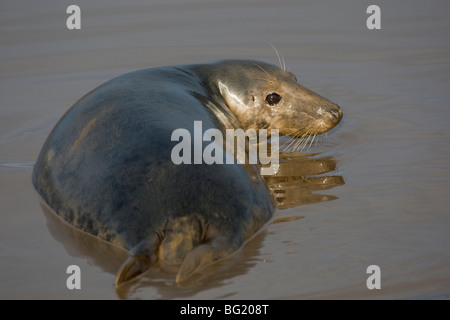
(133, 267)
(142, 258)
(202, 256)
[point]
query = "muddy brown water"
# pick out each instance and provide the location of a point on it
(378, 192)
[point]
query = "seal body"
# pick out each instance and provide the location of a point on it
(106, 167)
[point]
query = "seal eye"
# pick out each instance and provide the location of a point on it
(273, 99)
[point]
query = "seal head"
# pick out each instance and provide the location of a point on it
(263, 96)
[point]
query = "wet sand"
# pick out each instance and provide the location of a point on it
(392, 149)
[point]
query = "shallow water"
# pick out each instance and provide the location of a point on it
(391, 151)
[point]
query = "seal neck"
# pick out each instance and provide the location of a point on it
(209, 77)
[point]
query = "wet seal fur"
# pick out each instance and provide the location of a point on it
(106, 167)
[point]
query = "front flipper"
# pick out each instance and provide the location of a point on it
(202, 256)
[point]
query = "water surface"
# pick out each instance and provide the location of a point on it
(392, 150)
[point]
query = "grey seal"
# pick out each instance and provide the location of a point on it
(106, 166)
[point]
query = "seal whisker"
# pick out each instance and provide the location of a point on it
(295, 132)
(293, 139)
(312, 141)
(278, 55)
(290, 134)
(298, 145)
(306, 138)
(265, 71)
(299, 142)
(288, 144)
(302, 143)
(283, 147)
(280, 58)
(317, 140)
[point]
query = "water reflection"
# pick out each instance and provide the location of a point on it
(214, 276)
(109, 258)
(79, 244)
(299, 176)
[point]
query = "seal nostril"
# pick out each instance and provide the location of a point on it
(336, 113)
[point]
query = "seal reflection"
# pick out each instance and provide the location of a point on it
(299, 176)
